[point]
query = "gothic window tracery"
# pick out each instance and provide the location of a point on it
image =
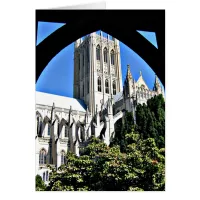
(42, 157)
(105, 55)
(99, 84)
(107, 86)
(98, 52)
(112, 57)
(114, 87)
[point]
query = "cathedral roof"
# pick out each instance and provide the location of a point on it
(141, 82)
(60, 101)
(118, 96)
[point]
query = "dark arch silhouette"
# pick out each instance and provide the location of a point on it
(121, 24)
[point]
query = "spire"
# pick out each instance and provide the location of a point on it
(157, 86)
(78, 42)
(140, 73)
(107, 36)
(156, 80)
(128, 74)
(101, 34)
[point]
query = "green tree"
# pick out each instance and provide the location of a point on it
(150, 120)
(40, 186)
(103, 168)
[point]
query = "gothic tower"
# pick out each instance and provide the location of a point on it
(157, 87)
(129, 92)
(97, 69)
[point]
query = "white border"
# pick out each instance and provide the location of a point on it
(18, 99)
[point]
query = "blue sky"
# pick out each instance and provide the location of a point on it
(57, 77)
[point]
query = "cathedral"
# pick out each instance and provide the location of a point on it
(100, 99)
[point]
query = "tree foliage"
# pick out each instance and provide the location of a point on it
(103, 168)
(150, 120)
(40, 186)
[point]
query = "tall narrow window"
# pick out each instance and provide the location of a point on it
(50, 154)
(112, 57)
(43, 178)
(98, 52)
(88, 86)
(82, 134)
(107, 86)
(49, 129)
(39, 127)
(42, 157)
(99, 84)
(62, 157)
(66, 131)
(47, 175)
(105, 55)
(83, 90)
(114, 87)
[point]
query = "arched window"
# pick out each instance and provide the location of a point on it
(98, 52)
(114, 87)
(49, 129)
(42, 157)
(112, 57)
(47, 175)
(99, 84)
(66, 131)
(62, 157)
(105, 55)
(107, 86)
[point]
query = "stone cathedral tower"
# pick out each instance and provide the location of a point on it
(97, 70)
